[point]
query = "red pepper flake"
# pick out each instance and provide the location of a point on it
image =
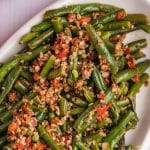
(120, 15)
(36, 76)
(63, 52)
(131, 62)
(137, 77)
(71, 17)
(127, 51)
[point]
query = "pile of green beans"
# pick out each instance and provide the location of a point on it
(89, 113)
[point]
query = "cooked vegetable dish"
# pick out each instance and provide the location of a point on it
(74, 85)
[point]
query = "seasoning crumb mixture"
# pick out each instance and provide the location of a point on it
(74, 87)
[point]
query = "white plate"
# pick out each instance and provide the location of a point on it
(141, 135)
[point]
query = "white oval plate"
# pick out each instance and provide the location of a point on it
(141, 135)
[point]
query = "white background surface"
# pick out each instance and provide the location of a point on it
(14, 13)
(23, 10)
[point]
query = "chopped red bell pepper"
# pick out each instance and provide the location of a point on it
(127, 51)
(120, 15)
(137, 78)
(131, 62)
(71, 17)
(63, 53)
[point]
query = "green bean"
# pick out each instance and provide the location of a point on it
(138, 55)
(47, 138)
(87, 8)
(57, 24)
(61, 12)
(63, 106)
(104, 123)
(133, 123)
(121, 62)
(77, 111)
(97, 137)
(7, 67)
(4, 126)
(38, 41)
(109, 96)
(20, 87)
(87, 123)
(55, 73)
(108, 17)
(9, 82)
(81, 146)
(89, 95)
(121, 31)
(49, 64)
(82, 8)
(31, 95)
(35, 53)
(98, 79)
(36, 100)
(137, 45)
(105, 35)
(3, 141)
(117, 132)
(127, 74)
(28, 37)
(115, 112)
(123, 103)
(136, 86)
(80, 120)
(137, 18)
(80, 102)
(73, 72)
(41, 26)
(117, 25)
(9, 113)
(117, 139)
(27, 75)
(145, 27)
(101, 48)
(41, 116)
(109, 45)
